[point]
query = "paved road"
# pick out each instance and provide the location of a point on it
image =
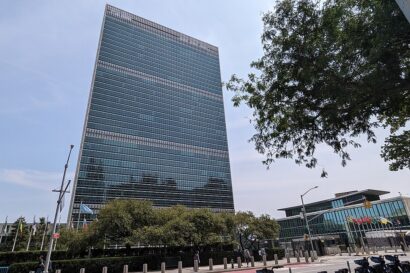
(327, 263)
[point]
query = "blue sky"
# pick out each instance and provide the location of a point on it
(47, 54)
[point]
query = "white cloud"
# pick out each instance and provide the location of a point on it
(32, 178)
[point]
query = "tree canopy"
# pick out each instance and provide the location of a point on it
(134, 222)
(331, 71)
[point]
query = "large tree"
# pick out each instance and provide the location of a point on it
(134, 222)
(331, 71)
(252, 229)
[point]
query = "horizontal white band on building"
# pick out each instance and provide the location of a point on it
(155, 143)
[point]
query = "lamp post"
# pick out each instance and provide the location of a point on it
(304, 215)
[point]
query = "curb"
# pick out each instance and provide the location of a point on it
(249, 268)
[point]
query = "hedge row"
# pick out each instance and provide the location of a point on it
(7, 258)
(115, 264)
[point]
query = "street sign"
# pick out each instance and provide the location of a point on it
(56, 235)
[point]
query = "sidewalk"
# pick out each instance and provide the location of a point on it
(220, 267)
(293, 263)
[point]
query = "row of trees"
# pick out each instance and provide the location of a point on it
(133, 222)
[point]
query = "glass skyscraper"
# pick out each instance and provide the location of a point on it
(155, 124)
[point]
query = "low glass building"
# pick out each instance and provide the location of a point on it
(352, 218)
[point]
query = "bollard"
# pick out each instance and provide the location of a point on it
(196, 265)
(395, 248)
(82, 270)
(125, 269)
(288, 258)
(314, 255)
(211, 264)
(238, 260)
(306, 257)
(349, 251)
(179, 266)
(232, 264)
(252, 261)
(348, 267)
(144, 268)
(300, 253)
(162, 267)
(264, 260)
(290, 270)
(225, 263)
(105, 269)
(58, 271)
(275, 256)
(340, 252)
(297, 257)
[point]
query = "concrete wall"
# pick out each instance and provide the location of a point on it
(406, 201)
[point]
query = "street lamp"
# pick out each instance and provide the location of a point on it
(304, 214)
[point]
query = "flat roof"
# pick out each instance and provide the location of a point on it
(367, 191)
(342, 208)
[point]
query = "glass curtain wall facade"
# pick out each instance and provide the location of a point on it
(350, 223)
(155, 124)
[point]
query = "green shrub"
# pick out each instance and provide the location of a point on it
(7, 258)
(271, 252)
(115, 264)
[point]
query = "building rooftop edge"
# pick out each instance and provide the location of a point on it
(369, 191)
(205, 45)
(341, 208)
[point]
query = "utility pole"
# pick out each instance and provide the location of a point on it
(61, 195)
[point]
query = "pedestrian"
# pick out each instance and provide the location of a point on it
(247, 256)
(263, 252)
(40, 266)
(402, 247)
(196, 257)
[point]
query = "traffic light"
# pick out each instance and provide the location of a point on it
(367, 204)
